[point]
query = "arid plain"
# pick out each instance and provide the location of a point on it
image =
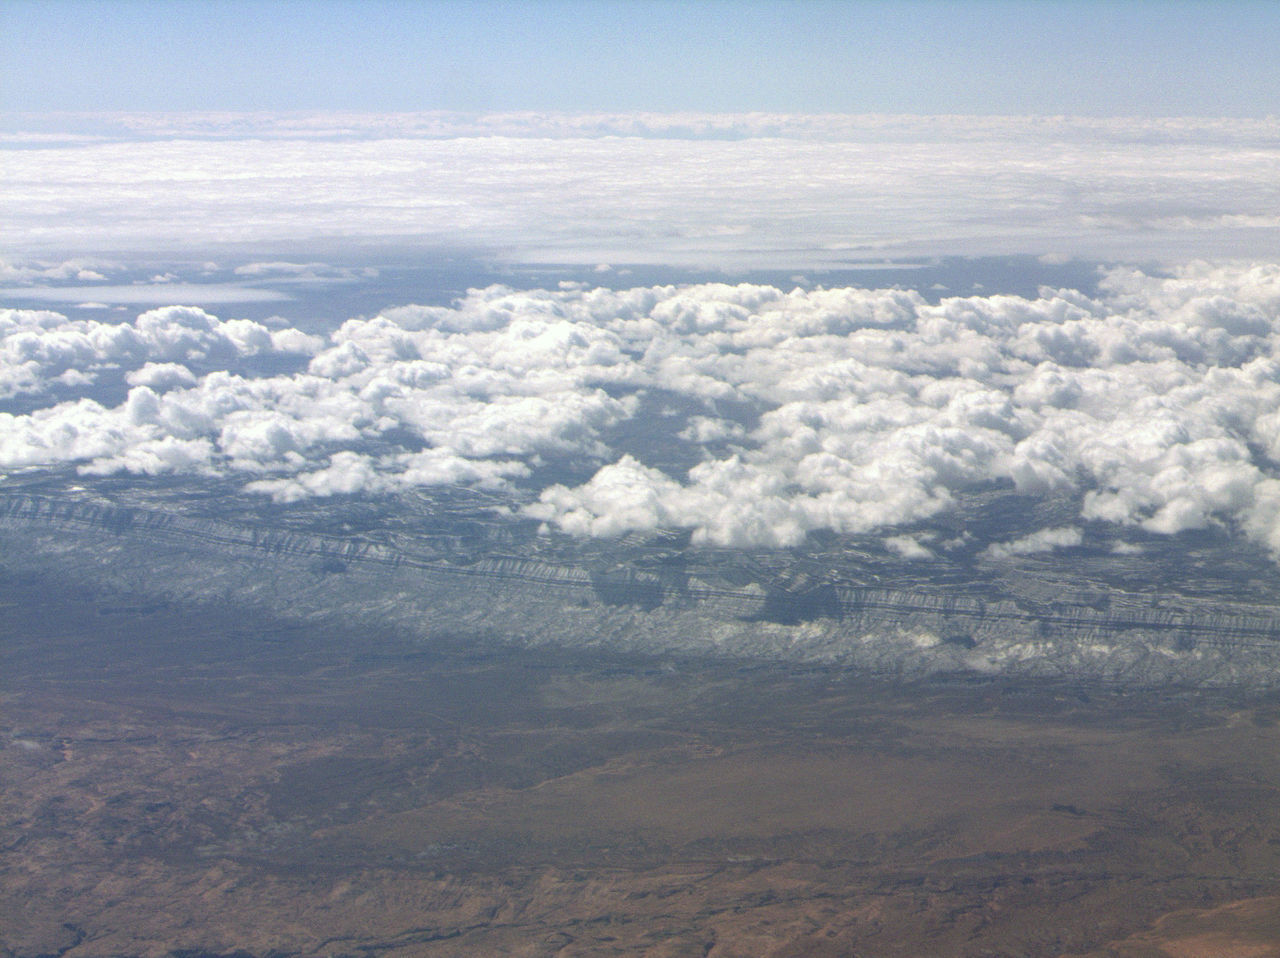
(208, 782)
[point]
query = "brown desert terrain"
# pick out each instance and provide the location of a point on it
(207, 782)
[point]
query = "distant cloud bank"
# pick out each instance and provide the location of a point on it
(748, 414)
(734, 191)
(46, 128)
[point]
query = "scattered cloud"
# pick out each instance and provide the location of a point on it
(908, 547)
(79, 270)
(302, 272)
(38, 347)
(161, 376)
(1043, 540)
(749, 415)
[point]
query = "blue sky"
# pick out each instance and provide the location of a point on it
(1089, 58)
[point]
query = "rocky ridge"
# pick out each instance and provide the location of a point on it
(1180, 614)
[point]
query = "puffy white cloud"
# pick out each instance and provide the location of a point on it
(75, 269)
(1150, 414)
(1043, 540)
(908, 547)
(161, 376)
(346, 473)
(154, 456)
(515, 378)
(39, 346)
(704, 430)
(620, 497)
(750, 415)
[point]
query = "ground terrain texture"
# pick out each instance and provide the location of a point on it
(203, 781)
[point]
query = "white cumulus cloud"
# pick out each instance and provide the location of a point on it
(748, 415)
(1043, 540)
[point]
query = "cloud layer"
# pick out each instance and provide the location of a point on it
(750, 415)
(732, 191)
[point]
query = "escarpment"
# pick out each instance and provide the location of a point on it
(457, 570)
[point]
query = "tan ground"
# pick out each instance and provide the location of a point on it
(179, 787)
